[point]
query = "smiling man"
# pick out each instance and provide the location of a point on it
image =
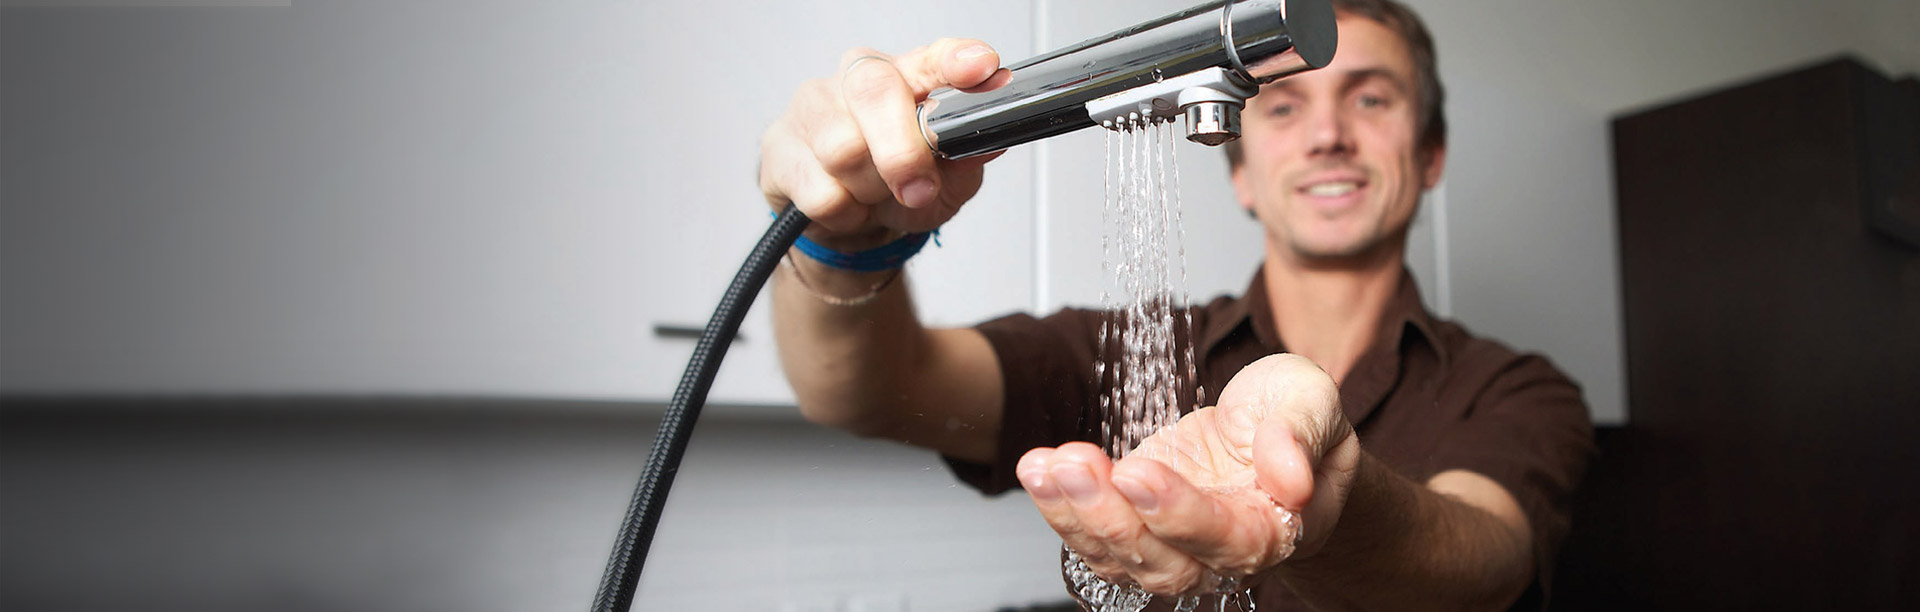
(1427, 468)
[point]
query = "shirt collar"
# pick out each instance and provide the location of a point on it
(1376, 369)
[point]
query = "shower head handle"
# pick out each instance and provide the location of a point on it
(1238, 45)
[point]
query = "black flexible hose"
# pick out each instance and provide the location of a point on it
(676, 427)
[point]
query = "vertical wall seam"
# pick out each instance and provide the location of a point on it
(1442, 263)
(1042, 265)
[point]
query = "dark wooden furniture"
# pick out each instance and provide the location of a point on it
(1771, 276)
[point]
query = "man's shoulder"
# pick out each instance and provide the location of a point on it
(1064, 324)
(1479, 362)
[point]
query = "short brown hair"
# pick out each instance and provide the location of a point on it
(1403, 21)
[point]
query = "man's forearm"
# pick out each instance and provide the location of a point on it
(872, 369)
(1400, 545)
(842, 360)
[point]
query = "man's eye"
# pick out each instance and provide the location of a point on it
(1371, 102)
(1281, 110)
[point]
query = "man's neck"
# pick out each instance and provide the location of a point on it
(1330, 311)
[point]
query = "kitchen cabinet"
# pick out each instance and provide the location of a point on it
(435, 198)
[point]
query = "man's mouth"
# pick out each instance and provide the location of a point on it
(1331, 189)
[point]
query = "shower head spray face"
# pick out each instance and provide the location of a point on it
(1211, 99)
(1203, 62)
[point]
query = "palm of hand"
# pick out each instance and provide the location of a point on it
(1212, 448)
(1216, 491)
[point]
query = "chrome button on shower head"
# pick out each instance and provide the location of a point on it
(1213, 123)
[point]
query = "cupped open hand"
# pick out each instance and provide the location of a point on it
(1229, 490)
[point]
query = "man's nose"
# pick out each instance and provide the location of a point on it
(1328, 132)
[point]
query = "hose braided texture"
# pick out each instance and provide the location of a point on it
(676, 426)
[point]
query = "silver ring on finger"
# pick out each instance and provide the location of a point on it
(859, 60)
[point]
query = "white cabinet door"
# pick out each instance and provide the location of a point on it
(465, 198)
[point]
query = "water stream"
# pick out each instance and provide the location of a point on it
(1141, 368)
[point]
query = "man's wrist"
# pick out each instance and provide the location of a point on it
(839, 286)
(849, 242)
(823, 279)
(890, 256)
(815, 270)
(851, 268)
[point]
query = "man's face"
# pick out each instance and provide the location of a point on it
(1330, 162)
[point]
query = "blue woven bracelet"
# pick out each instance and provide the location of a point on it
(884, 257)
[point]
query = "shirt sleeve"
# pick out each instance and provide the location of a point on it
(1046, 369)
(1529, 431)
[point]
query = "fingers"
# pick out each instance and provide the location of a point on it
(790, 173)
(960, 63)
(882, 95)
(849, 150)
(885, 140)
(1236, 533)
(1071, 486)
(1045, 477)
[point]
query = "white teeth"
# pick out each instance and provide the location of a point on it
(1332, 189)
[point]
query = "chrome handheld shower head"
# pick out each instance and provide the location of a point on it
(1203, 62)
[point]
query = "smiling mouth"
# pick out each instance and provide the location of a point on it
(1331, 189)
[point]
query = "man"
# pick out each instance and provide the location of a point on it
(1428, 469)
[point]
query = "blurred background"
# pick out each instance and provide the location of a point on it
(370, 305)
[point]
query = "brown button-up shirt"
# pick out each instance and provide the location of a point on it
(1427, 397)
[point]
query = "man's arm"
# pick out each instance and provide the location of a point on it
(848, 152)
(1460, 542)
(874, 370)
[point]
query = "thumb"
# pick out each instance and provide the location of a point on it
(1282, 465)
(1313, 486)
(961, 63)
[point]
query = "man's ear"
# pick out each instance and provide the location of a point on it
(1436, 164)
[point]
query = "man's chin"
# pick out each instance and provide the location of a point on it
(1337, 253)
